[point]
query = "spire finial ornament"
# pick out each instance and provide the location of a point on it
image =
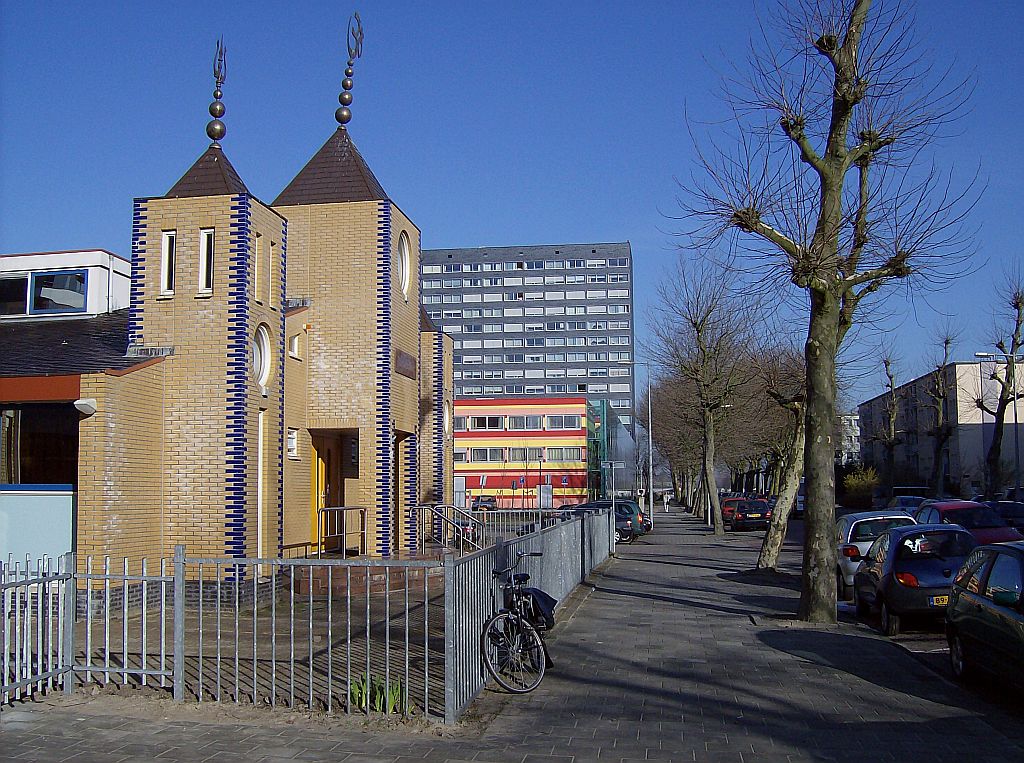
(216, 130)
(355, 50)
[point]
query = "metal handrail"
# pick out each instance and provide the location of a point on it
(445, 513)
(330, 514)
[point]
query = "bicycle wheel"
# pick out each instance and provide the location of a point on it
(513, 653)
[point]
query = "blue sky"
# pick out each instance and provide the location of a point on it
(488, 123)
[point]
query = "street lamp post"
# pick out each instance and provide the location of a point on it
(1011, 366)
(650, 435)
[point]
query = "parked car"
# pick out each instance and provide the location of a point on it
(854, 535)
(984, 522)
(908, 571)
(729, 506)
(483, 502)
(905, 502)
(625, 532)
(1012, 512)
(750, 515)
(621, 504)
(985, 617)
(465, 530)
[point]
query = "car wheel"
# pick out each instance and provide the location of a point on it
(859, 604)
(618, 536)
(842, 590)
(957, 659)
(890, 621)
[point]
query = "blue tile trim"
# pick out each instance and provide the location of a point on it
(236, 512)
(385, 438)
(136, 302)
(411, 490)
(439, 436)
(281, 366)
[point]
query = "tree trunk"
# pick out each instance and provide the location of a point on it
(937, 482)
(790, 483)
(889, 480)
(818, 585)
(709, 471)
(993, 472)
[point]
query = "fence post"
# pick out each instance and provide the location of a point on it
(179, 623)
(450, 700)
(583, 547)
(611, 533)
(68, 626)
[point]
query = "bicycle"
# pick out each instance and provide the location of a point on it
(511, 644)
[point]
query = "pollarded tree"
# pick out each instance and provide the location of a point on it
(1004, 372)
(938, 389)
(781, 370)
(704, 339)
(889, 433)
(830, 189)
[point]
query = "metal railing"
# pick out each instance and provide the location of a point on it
(466, 531)
(571, 549)
(448, 527)
(333, 524)
(331, 634)
(35, 638)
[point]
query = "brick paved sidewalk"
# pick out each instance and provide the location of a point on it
(677, 654)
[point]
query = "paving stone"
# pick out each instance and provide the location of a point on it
(677, 654)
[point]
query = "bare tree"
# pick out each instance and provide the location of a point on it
(938, 389)
(1008, 349)
(782, 372)
(829, 189)
(888, 432)
(675, 401)
(704, 339)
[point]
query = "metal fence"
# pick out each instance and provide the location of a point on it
(337, 635)
(570, 549)
(35, 634)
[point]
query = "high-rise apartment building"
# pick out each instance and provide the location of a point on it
(537, 320)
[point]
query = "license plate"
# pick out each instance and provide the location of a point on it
(938, 601)
(753, 516)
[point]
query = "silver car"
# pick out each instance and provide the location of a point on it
(854, 535)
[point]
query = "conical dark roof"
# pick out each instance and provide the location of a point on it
(336, 173)
(211, 175)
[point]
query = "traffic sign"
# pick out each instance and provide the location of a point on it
(641, 492)
(613, 464)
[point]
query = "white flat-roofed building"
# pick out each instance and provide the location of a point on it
(79, 283)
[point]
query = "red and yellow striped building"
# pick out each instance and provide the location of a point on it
(506, 447)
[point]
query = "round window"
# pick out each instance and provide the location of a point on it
(402, 264)
(261, 355)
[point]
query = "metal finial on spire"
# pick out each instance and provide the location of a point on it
(216, 129)
(355, 50)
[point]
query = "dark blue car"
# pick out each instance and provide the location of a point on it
(909, 571)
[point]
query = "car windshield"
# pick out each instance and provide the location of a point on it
(939, 544)
(869, 529)
(1012, 510)
(973, 517)
(754, 506)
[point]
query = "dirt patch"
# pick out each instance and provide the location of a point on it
(149, 704)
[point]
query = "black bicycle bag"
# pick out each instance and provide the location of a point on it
(541, 609)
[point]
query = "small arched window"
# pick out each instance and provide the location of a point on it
(403, 264)
(261, 355)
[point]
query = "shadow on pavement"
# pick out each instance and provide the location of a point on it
(870, 659)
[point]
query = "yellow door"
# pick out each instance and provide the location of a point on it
(326, 483)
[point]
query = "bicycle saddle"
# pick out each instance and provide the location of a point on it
(520, 577)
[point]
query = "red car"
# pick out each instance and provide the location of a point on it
(983, 522)
(729, 507)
